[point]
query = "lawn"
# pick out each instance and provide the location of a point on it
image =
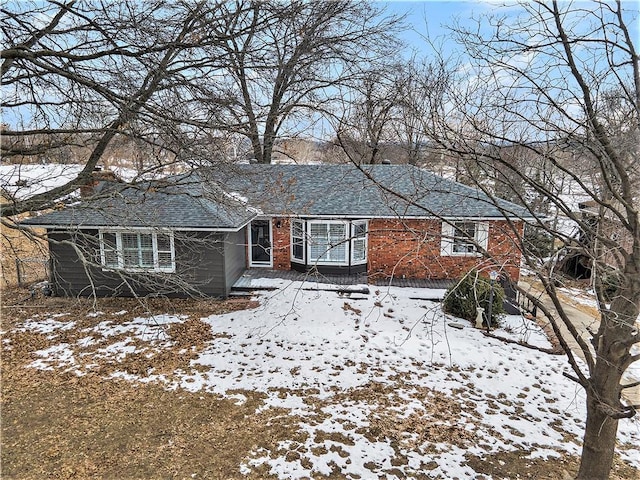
(298, 383)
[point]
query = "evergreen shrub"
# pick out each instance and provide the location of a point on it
(473, 291)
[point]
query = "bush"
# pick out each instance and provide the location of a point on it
(473, 291)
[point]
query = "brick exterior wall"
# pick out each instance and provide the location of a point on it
(504, 246)
(411, 249)
(281, 244)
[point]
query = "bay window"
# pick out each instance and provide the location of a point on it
(329, 242)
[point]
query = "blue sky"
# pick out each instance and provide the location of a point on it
(435, 13)
(430, 17)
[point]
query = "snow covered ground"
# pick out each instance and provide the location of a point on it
(25, 181)
(382, 385)
(588, 299)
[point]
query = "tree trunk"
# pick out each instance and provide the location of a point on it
(267, 151)
(268, 138)
(257, 147)
(599, 442)
(603, 392)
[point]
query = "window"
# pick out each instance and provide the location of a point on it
(297, 240)
(463, 238)
(328, 242)
(137, 250)
(109, 249)
(359, 242)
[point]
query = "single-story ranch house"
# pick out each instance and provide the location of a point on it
(196, 233)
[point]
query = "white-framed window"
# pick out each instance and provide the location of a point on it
(137, 250)
(359, 242)
(328, 242)
(298, 240)
(462, 238)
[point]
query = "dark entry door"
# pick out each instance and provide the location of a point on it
(261, 243)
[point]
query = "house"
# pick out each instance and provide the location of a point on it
(196, 233)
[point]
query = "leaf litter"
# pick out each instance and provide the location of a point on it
(245, 389)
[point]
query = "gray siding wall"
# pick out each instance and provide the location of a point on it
(235, 256)
(200, 268)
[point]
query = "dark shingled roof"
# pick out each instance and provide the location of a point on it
(346, 191)
(227, 197)
(179, 202)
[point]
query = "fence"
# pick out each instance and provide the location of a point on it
(526, 305)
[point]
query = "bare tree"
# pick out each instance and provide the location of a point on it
(383, 116)
(285, 61)
(421, 86)
(82, 79)
(85, 73)
(553, 82)
(367, 122)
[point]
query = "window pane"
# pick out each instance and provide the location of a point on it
(146, 258)
(463, 248)
(464, 236)
(298, 251)
(319, 240)
(359, 229)
(337, 231)
(130, 258)
(164, 243)
(465, 229)
(319, 231)
(146, 241)
(109, 240)
(129, 240)
(297, 229)
(317, 251)
(111, 258)
(338, 253)
(359, 250)
(297, 240)
(164, 260)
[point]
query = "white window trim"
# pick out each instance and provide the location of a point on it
(304, 238)
(364, 239)
(481, 238)
(120, 250)
(349, 241)
(345, 242)
(253, 263)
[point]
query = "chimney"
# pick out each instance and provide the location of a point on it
(97, 177)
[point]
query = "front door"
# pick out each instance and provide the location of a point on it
(261, 243)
